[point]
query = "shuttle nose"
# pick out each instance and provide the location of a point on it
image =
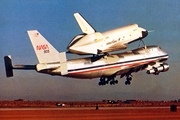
(144, 33)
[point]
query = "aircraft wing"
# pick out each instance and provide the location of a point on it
(83, 24)
(152, 68)
(129, 70)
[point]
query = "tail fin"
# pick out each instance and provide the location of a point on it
(83, 24)
(8, 66)
(45, 52)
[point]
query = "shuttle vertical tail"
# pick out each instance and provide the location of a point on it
(83, 24)
(45, 52)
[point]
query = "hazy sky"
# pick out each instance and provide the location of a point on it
(55, 21)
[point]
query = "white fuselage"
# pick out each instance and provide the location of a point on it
(112, 40)
(118, 64)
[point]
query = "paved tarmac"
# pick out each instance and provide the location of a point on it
(89, 113)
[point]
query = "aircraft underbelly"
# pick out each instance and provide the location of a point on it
(87, 75)
(94, 74)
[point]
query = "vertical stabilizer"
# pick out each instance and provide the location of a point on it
(45, 52)
(8, 66)
(83, 24)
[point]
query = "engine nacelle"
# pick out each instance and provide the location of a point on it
(157, 70)
(151, 71)
(163, 68)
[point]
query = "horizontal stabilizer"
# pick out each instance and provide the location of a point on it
(83, 24)
(8, 66)
(24, 67)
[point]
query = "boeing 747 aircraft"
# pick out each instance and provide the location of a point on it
(105, 67)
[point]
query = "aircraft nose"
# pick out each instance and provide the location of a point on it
(144, 33)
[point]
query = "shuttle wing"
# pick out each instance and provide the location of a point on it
(83, 24)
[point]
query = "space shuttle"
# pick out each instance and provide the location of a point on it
(93, 42)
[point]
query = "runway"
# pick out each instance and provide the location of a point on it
(105, 113)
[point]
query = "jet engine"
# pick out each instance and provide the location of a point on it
(156, 70)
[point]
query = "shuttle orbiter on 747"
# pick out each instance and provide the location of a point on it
(105, 67)
(93, 42)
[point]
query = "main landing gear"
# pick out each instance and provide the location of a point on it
(128, 80)
(112, 81)
(107, 80)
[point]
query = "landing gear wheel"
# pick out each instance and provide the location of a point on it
(113, 82)
(102, 79)
(106, 80)
(129, 78)
(127, 82)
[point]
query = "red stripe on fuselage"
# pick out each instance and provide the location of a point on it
(111, 67)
